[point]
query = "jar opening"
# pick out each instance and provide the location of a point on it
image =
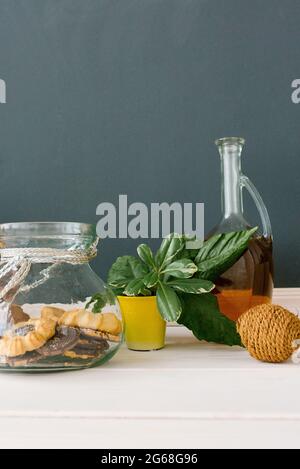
(59, 235)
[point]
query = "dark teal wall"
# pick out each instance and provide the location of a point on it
(108, 97)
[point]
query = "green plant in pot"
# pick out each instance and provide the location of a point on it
(175, 284)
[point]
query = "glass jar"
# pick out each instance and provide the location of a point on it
(55, 312)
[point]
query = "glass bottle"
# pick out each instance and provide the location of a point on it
(250, 280)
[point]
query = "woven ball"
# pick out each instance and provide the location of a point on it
(268, 331)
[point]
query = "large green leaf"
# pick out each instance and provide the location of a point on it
(136, 287)
(169, 249)
(183, 268)
(168, 303)
(191, 285)
(201, 314)
(220, 252)
(125, 269)
(146, 255)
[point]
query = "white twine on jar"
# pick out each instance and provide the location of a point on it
(16, 272)
(49, 255)
(17, 263)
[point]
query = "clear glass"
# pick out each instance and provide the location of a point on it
(250, 280)
(46, 322)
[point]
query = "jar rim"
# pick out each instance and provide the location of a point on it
(39, 229)
(42, 235)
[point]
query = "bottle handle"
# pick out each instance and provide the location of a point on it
(262, 209)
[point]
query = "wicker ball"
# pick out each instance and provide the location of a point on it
(267, 331)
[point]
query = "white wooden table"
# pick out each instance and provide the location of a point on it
(189, 395)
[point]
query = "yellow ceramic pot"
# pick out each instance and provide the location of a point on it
(144, 327)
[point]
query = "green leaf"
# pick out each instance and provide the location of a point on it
(125, 269)
(169, 249)
(136, 287)
(188, 254)
(99, 300)
(151, 279)
(168, 303)
(146, 255)
(201, 314)
(220, 252)
(182, 268)
(191, 285)
(117, 291)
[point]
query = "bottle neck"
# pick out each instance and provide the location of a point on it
(230, 176)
